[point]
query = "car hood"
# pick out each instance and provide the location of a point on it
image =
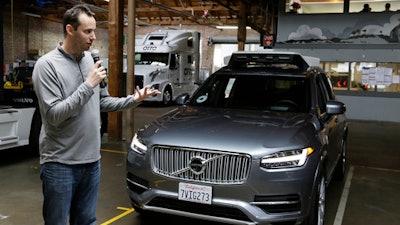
(230, 130)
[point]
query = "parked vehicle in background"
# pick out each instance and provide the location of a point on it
(168, 60)
(257, 143)
(20, 121)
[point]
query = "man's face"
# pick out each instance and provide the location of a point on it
(84, 36)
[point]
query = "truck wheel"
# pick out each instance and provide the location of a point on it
(167, 96)
(35, 132)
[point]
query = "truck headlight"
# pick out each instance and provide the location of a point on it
(286, 159)
(138, 146)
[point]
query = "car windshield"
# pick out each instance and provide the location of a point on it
(267, 93)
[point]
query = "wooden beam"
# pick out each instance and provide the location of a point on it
(115, 64)
(130, 74)
(241, 36)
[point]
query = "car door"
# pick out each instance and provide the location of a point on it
(331, 124)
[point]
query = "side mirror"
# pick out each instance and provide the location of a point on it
(334, 107)
(182, 99)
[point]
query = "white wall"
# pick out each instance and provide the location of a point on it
(371, 108)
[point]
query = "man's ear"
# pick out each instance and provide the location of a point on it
(69, 28)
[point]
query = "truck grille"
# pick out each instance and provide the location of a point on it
(201, 165)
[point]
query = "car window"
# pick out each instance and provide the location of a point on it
(323, 95)
(272, 93)
(328, 87)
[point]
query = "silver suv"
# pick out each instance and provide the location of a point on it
(257, 143)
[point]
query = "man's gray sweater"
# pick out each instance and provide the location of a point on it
(70, 108)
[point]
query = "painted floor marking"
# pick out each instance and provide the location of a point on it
(343, 198)
(113, 151)
(127, 211)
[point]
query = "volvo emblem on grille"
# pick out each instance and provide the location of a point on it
(197, 165)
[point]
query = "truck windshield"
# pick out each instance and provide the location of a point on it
(267, 93)
(151, 58)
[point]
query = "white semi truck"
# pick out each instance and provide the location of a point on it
(168, 60)
(20, 121)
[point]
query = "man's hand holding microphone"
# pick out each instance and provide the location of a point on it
(98, 70)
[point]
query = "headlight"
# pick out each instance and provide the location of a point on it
(137, 145)
(286, 159)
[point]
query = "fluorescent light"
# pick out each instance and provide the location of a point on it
(30, 14)
(231, 27)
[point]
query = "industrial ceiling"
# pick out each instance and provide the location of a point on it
(257, 14)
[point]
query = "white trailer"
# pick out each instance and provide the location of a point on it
(168, 60)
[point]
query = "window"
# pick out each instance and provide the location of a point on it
(322, 97)
(314, 6)
(362, 76)
(337, 6)
(149, 58)
(356, 6)
(270, 93)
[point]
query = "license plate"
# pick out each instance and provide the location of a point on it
(195, 193)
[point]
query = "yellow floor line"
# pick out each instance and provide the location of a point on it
(113, 151)
(127, 211)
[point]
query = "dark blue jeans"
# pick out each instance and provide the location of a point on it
(70, 191)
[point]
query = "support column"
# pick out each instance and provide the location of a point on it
(241, 35)
(130, 74)
(115, 64)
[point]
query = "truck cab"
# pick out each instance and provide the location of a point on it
(168, 60)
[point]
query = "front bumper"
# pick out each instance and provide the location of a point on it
(265, 197)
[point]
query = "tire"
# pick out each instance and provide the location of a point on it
(318, 207)
(167, 96)
(34, 134)
(340, 169)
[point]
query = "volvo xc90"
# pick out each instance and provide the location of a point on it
(257, 143)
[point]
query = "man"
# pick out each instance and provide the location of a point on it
(387, 7)
(366, 8)
(66, 81)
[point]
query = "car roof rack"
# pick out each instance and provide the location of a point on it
(269, 58)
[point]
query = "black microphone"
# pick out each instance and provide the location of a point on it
(96, 57)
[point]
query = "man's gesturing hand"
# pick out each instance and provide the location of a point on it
(144, 93)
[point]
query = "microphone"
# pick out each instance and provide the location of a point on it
(96, 57)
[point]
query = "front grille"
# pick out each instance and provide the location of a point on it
(201, 165)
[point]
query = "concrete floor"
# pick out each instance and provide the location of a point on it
(369, 195)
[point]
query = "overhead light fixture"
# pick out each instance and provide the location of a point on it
(31, 14)
(231, 27)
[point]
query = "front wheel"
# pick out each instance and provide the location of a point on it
(317, 211)
(167, 96)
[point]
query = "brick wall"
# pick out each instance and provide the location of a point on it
(25, 34)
